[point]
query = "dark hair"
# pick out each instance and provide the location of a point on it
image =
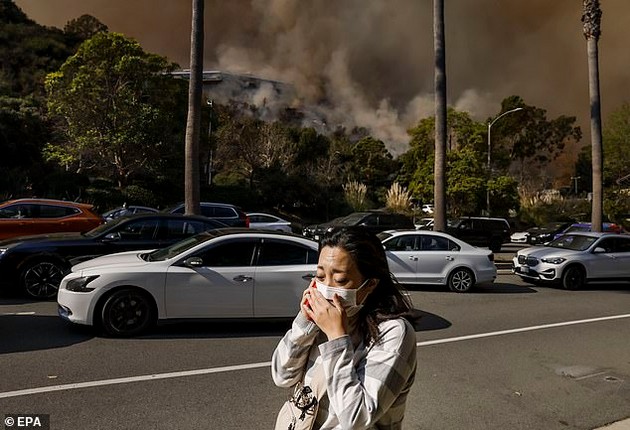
(387, 300)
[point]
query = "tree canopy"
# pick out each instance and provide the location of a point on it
(115, 103)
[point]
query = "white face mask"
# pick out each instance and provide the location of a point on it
(347, 296)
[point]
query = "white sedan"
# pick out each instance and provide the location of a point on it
(224, 273)
(268, 222)
(519, 237)
(435, 258)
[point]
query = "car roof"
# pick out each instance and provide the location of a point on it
(167, 215)
(50, 201)
(414, 231)
(255, 232)
(590, 234)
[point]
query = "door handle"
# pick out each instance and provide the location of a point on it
(242, 278)
(308, 277)
(413, 258)
(449, 258)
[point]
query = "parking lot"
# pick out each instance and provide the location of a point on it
(504, 356)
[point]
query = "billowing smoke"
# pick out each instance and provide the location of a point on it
(369, 63)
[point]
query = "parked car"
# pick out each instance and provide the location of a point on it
(228, 214)
(481, 231)
(127, 210)
(375, 221)
(586, 226)
(268, 222)
(25, 217)
(575, 259)
(37, 264)
(225, 273)
(424, 223)
(428, 257)
(427, 208)
(519, 237)
(546, 233)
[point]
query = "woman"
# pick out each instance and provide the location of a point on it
(350, 326)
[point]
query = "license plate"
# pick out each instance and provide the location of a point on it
(525, 269)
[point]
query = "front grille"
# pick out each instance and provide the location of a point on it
(527, 260)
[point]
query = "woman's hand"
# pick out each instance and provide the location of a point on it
(330, 318)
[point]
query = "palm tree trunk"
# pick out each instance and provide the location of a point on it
(193, 123)
(439, 191)
(591, 20)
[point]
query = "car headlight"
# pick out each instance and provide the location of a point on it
(553, 260)
(80, 285)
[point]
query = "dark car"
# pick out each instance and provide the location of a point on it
(228, 214)
(546, 233)
(481, 231)
(375, 221)
(607, 227)
(127, 210)
(38, 263)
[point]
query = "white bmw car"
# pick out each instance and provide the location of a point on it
(435, 258)
(575, 259)
(224, 273)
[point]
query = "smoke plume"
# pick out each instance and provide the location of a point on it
(369, 63)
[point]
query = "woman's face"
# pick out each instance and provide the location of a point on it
(337, 268)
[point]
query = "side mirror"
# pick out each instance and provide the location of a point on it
(599, 250)
(193, 262)
(111, 237)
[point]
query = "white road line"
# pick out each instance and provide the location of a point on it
(223, 369)
(141, 378)
(520, 330)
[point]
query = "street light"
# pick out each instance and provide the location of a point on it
(489, 149)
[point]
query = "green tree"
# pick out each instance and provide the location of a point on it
(84, 27)
(417, 164)
(115, 105)
(526, 140)
(616, 145)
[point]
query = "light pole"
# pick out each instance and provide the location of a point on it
(489, 150)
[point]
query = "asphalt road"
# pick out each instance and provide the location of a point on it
(506, 356)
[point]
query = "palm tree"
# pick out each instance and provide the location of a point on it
(591, 20)
(193, 123)
(439, 191)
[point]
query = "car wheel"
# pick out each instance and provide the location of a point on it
(573, 278)
(41, 279)
(461, 280)
(127, 312)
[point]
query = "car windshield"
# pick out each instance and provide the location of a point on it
(383, 235)
(578, 228)
(104, 228)
(352, 219)
(179, 247)
(454, 223)
(573, 241)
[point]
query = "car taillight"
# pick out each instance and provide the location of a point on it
(491, 256)
(246, 221)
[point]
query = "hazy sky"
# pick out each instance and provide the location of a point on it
(373, 59)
